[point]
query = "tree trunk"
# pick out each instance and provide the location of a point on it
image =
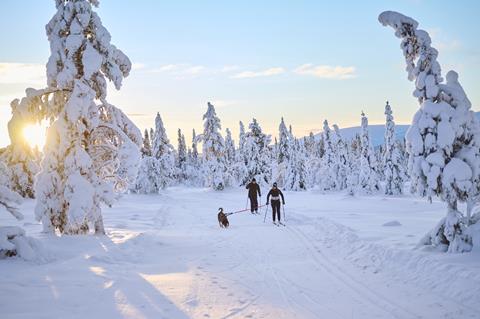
(99, 228)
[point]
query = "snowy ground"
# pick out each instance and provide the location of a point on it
(166, 257)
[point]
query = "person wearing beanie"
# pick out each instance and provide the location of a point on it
(253, 190)
(276, 193)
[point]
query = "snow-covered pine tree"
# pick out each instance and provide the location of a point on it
(284, 148)
(353, 165)
(194, 148)
(310, 144)
(257, 154)
(194, 173)
(343, 158)
(214, 163)
(284, 143)
(181, 158)
(230, 148)
(327, 174)
(295, 178)
(8, 198)
(13, 241)
(392, 161)
(92, 150)
(312, 159)
(368, 178)
(241, 143)
(22, 161)
(320, 148)
(241, 160)
(163, 153)
(147, 147)
(444, 138)
(152, 134)
(147, 177)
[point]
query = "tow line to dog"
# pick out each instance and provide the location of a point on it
(241, 211)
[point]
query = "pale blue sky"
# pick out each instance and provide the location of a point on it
(246, 58)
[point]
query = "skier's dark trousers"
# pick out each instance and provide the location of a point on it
(253, 189)
(276, 194)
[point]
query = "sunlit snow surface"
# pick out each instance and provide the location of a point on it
(165, 257)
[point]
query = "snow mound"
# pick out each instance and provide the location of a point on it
(423, 269)
(13, 242)
(392, 223)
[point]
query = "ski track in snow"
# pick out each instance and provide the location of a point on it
(166, 257)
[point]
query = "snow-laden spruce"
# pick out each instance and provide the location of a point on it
(343, 168)
(354, 151)
(368, 177)
(194, 174)
(444, 139)
(92, 150)
(258, 155)
(230, 152)
(147, 146)
(392, 160)
(182, 159)
(13, 241)
(296, 172)
(22, 161)
(284, 143)
(282, 151)
(327, 174)
(214, 166)
(164, 155)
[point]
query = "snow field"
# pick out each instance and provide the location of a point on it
(165, 257)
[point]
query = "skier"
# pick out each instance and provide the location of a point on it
(276, 193)
(253, 189)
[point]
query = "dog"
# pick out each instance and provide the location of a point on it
(222, 219)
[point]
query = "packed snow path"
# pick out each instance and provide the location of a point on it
(166, 257)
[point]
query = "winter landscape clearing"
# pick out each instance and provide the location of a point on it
(165, 257)
(252, 215)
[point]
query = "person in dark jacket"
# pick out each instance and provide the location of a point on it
(276, 194)
(253, 189)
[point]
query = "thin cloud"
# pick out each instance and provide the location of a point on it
(194, 70)
(229, 68)
(326, 71)
(256, 74)
(22, 73)
(138, 66)
(167, 68)
(181, 70)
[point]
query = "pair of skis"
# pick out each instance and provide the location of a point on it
(275, 223)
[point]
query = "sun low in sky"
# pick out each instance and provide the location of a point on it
(35, 135)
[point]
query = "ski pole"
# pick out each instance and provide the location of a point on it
(265, 217)
(284, 217)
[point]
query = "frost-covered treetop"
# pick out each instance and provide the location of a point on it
(420, 57)
(388, 112)
(397, 21)
(62, 2)
(212, 122)
(80, 49)
(364, 121)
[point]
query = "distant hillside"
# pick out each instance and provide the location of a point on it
(377, 132)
